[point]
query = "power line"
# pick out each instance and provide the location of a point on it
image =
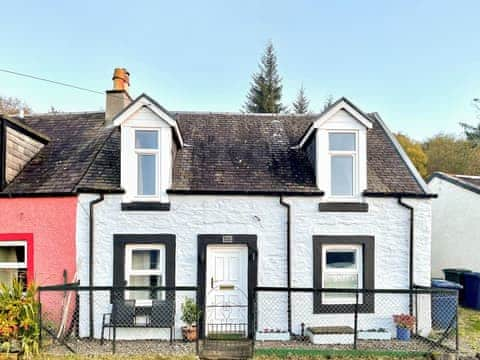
(51, 81)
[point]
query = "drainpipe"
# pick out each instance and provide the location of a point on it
(91, 230)
(289, 277)
(411, 250)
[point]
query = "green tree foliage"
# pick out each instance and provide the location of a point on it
(13, 105)
(450, 154)
(415, 152)
(471, 132)
(265, 92)
(300, 105)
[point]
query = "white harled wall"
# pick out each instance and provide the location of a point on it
(265, 217)
(455, 227)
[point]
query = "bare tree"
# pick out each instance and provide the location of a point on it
(13, 105)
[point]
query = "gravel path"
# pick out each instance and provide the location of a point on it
(93, 347)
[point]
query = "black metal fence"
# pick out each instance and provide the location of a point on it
(133, 320)
(105, 319)
(310, 320)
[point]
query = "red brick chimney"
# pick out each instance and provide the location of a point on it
(117, 98)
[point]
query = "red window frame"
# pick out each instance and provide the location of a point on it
(28, 238)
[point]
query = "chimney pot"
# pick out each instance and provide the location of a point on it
(117, 98)
(121, 79)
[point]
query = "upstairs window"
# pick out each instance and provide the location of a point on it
(147, 154)
(343, 159)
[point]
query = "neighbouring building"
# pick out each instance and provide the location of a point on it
(455, 222)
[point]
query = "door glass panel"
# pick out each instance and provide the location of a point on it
(341, 141)
(146, 139)
(342, 175)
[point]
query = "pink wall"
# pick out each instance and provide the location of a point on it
(51, 221)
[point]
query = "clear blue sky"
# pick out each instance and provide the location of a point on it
(416, 62)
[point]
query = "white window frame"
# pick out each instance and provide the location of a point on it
(141, 151)
(11, 265)
(129, 248)
(358, 270)
(345, 153)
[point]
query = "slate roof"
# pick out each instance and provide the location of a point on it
(468, 182)
(223, 152)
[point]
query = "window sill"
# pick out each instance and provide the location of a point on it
(343, 207)
(145, 206)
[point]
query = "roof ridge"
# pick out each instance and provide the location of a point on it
(234, 113)
(59, 113)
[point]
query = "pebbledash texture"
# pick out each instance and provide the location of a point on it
(266, 218)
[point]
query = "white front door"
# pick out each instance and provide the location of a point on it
(227, 290)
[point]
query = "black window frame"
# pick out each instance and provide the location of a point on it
(119, 243)
(368, 272)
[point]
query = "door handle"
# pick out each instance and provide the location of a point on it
(211, 282)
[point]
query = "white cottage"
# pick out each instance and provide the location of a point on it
(228, 202)
(231, 201)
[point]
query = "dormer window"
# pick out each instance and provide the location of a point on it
(147, 153)
(343, 163)
(149, 139)
(339, 151)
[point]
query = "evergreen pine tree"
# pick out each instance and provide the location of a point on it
(265, 92)
(300, 105)
(328, 102)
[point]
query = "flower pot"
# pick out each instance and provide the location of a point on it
(272, 336)
(189, 333)
(403, 333)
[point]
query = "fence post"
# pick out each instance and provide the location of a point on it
(457, 339)
(355, 321)
(416, 312)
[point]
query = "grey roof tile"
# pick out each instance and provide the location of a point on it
(223, 152)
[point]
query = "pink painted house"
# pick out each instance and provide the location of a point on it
(42, 169)
(37, 239)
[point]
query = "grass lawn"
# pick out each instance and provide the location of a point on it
(261, 355)
(469, 328)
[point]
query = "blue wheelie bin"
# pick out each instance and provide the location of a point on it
(472, 290)
(444, 304)
(457, 275)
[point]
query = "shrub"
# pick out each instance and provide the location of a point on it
(19, 325)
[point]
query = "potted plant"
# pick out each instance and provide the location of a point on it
(405, 324)
(190, 315)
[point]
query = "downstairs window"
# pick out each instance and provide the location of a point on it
(13, 261)
(343, 262)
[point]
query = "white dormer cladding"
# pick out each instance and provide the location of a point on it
(340, 151)
(148, 133)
